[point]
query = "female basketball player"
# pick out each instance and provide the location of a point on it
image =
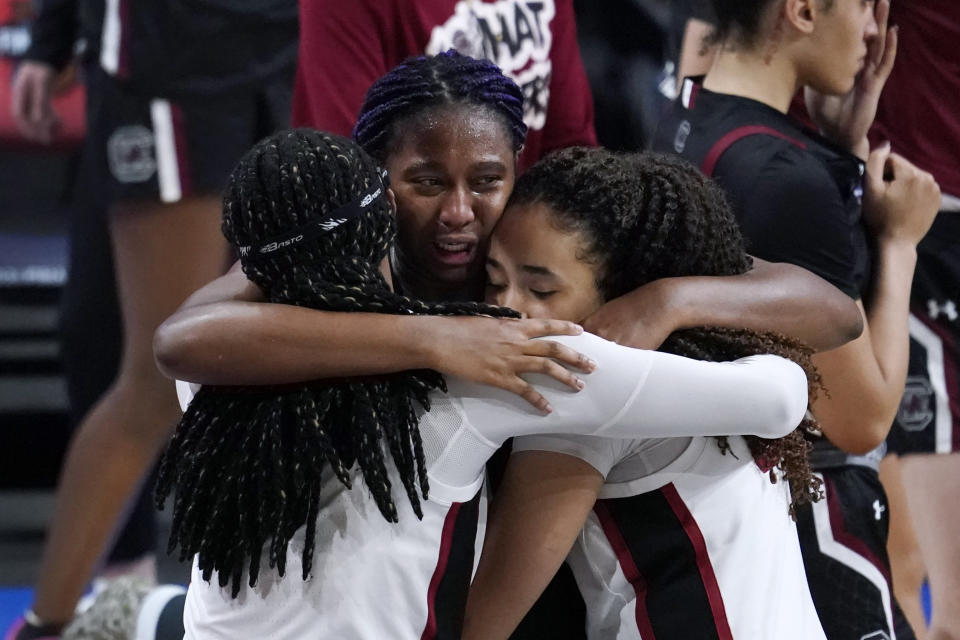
(689, 537)
(811, 200)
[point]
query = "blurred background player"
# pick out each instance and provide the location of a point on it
(176, 93)
(798, 199)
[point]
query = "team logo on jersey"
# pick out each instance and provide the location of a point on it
(916, 405)
(878, 509)
(876, 635)
(513, 34)
(130, 154)
(948, 308)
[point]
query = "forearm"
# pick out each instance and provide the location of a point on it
(542, 504)
(776, 297)
(865, 380)
(888, 310)
(245, 343)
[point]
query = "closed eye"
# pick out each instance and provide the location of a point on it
(542, 295)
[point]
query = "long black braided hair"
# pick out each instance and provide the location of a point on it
(421, 84)
(647, 216)
(308, 214)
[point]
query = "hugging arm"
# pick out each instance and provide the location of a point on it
(542, 504)
(226, 334)
(641, 394)
(778, 297)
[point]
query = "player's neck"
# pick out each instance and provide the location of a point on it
(769, 79)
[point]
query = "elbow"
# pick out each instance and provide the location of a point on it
(862, 440)
(171, 344)
(788, 398)
(860, 430)
(843, 314)
(851, 325)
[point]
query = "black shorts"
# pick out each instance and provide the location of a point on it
(928, 420)
(844, 544)
(167, 149)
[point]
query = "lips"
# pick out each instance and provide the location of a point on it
(453, 247)
(454, 251)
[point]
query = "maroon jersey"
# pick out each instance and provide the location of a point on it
(346, 46)
(919, 111)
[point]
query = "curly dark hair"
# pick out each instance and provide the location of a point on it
(308, 213)
(646, 216)
(421, 84)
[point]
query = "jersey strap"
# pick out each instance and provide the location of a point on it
(447, 595)
(720, 146)
(663, 555)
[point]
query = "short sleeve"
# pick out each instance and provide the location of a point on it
(791, 210)
(600, 453)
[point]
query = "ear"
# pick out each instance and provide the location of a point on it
(801, 14)
(392, 198)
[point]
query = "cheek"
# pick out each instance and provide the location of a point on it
(413, 215)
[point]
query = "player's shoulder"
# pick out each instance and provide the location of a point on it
(760, 163)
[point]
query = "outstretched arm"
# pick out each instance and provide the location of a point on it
(540, 508)
(225, 334)
(777, 297)
(635, 393)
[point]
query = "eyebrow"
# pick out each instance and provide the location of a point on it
(529, 268)
(435, 165)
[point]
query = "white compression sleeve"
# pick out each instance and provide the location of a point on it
(644, 394)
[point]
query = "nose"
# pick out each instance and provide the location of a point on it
(508, 297)
(457, 210)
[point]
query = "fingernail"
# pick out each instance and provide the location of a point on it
(580, 383)
(591, 364)
(547, 408)
(578, 328)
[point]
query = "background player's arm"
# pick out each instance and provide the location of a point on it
(865, 378)
(541, 506)
(226, 334)
(777, 297)
(52, 37)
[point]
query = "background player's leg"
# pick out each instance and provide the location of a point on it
(906, 562)
(932, 484)
(162, 253)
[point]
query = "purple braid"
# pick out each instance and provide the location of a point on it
(426, 82)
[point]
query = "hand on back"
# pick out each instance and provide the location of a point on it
(900, 200)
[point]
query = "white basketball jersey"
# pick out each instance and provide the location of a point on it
(374, 580)
(700, 548)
